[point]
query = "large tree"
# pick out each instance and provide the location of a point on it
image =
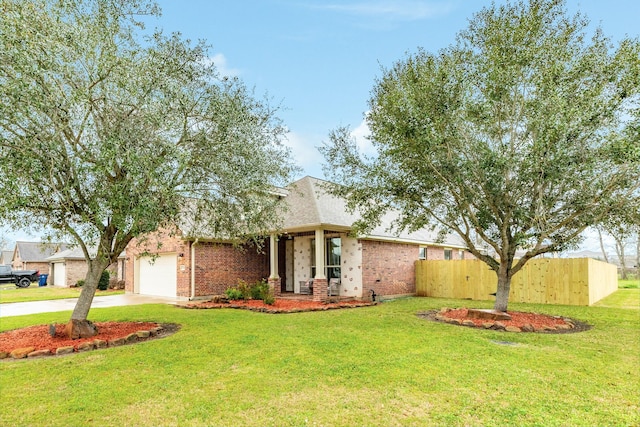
(507, 138)
(108, 130)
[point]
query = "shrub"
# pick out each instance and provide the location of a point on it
(79, 283)
(259, 289)
(268, 297)
(103, 283)
(233, 293)
(245, 289)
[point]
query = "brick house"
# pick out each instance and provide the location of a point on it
(68, 266)
(33, 255)
(6, 257)
(311, 254)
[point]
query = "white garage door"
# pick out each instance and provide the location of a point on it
(158, 277)
(59, 274)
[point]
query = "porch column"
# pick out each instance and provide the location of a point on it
(320, 280)
(274, 277)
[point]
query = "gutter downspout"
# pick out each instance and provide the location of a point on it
(193, 269)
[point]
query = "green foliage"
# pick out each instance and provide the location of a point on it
(135, 126)
(234, 294)
(103, 284)
(257, 291)
(80, 283)
(516, 138)
(268, 297)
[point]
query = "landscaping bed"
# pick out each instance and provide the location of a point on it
(37, 340)
(517, 322)
(279, 306)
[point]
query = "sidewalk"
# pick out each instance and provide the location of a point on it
(48, 306)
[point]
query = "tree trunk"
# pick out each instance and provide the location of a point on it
(504, 286)
(79, 326)
(620, 244)
(604, 253)
(638, 257)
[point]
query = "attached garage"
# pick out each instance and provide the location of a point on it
(157, 276)
(59, 274)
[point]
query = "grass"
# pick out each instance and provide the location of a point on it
(379, 365)
(9, 293)
(622, 298)
(629, 284)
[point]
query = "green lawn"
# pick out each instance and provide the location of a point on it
(378, 365)
(9, 293)
(629, 284)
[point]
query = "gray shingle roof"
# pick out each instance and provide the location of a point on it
(37, 251)
(311, 206)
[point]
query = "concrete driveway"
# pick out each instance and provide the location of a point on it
(23, 308)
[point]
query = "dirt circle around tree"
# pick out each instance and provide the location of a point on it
(36, 341)
(519, 321)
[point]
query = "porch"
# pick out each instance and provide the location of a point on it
(319, 264)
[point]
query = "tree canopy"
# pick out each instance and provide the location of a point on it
(107, 128)
(510, 137)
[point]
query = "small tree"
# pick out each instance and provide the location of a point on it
(105, 132)
(506, 138)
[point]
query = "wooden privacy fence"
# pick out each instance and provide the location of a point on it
(568, 281)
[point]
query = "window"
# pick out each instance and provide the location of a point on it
(333, 257)
(461, 254)
(448, 254)
(423, 253)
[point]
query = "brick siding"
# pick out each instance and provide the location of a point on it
(388, 268)
(217, 265)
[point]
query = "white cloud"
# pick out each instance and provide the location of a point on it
(407, 10)
(220, 61)
(361, 135)
(305, 152)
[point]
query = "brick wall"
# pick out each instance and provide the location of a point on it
(74, 270)
(437, 253)
(42, 267)
(219, 266)
(388, 268)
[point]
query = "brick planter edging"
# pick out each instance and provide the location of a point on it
(161, 331)
(571, 326)
(279, 311)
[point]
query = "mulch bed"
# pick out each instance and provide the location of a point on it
(280, 305)
(524, 322)
(39, 338)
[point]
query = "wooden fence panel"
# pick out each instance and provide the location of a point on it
(570, 281)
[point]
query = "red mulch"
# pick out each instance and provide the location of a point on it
(39, 338)
(280, 305)
(553, 324)
(518, 319)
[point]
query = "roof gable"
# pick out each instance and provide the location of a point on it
(37, 251)
(310, 206)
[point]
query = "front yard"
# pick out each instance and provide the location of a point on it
(9, 293)
(379, 365)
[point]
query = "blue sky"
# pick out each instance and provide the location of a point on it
(319, 59)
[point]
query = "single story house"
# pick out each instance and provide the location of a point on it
(312, 254)
(6, 257)
(67, 267)
(33, 255)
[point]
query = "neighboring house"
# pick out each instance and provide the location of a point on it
(33, 255)
(69, 266)
(313, 243)
(6, 257)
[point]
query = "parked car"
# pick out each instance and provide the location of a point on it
(22, 278)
